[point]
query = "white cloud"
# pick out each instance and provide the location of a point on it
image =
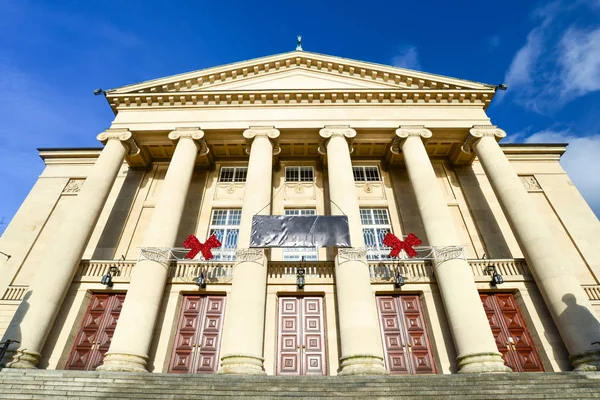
(556, 65)
(407, 57)
(581, 161)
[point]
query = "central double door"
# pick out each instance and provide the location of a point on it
(404, 335)
(198, 337)
(301, 336)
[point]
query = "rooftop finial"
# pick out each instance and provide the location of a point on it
(299, 43)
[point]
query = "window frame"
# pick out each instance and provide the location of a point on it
(235, 178)
(376, 250)
(298, 169)
(230, 233)
(296, 253)
(365, 177)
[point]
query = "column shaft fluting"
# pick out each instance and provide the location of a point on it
(131, 342)
(56, 270)
(360, 340)
(551, 269)
(243, 330)
(473, 339)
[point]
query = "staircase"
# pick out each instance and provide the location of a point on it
(55, 385)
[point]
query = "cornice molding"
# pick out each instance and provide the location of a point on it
(124, 135)
(335, 130)
(196, 134)
(328, 97)
(267, 131)
(480, 131)
(406, 131)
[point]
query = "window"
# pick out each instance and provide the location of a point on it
(363, 174)
(296, 253)
(233, 174)
(376, 224)
(225, 225)
(299, 174)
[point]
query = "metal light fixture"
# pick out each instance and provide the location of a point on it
(496, 277)
(201, 280)
(300, 272)
(399, 281)
(107, 278)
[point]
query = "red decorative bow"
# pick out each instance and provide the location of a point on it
(397, 245)
(196, 247)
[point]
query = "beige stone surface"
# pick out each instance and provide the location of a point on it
(299, 93)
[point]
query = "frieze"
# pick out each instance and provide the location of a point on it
(352, 253)
(530, 183)
(73, 187)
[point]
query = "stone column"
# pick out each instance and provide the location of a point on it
(55, 272)
(243, 330)
(361, 346)
(131, 342)
(551, 269)
(473, 339)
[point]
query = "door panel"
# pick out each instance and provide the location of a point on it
(198, 337)
(511, 334)
(406, 343)
(97, 329)
(301, 338)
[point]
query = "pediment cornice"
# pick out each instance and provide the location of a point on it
(374, 84)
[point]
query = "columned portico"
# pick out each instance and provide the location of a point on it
(131, 342)
(552, 270)
(59, 265)
(361, 348)
(245, 310)
(475, 345)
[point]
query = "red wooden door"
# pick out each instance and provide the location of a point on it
(98, 326)
(198, 337)
(511, 334)
(301, 339)
(404, 335)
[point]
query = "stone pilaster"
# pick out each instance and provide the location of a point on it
(243, 331)
(130, 344)
(55, 272)
(471, 332)
(361, 347)
(552, 270)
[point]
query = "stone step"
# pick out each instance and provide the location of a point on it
(46, 384)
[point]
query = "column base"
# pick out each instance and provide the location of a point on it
(22, 359)
(586, 361)
(123, 362)
(362, 364)
(242, 364)
(482, 363)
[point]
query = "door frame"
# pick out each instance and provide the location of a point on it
(76, 326)
(323, 296)
(426, 320)
(175, 322)
(530, 323)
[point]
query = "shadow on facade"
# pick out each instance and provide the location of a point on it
(13, 332)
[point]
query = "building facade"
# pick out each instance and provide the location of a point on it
(97, 276)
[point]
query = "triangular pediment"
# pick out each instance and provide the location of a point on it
(300, 70)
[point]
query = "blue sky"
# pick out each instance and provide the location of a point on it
(53, 54)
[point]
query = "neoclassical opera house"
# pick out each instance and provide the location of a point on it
(491, 265)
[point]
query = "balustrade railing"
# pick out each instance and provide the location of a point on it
(312, 269)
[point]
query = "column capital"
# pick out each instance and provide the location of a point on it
(194, 133)
(122, 134)
(479, 131)
(330, 131)
(406, 131)
(267, 131)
